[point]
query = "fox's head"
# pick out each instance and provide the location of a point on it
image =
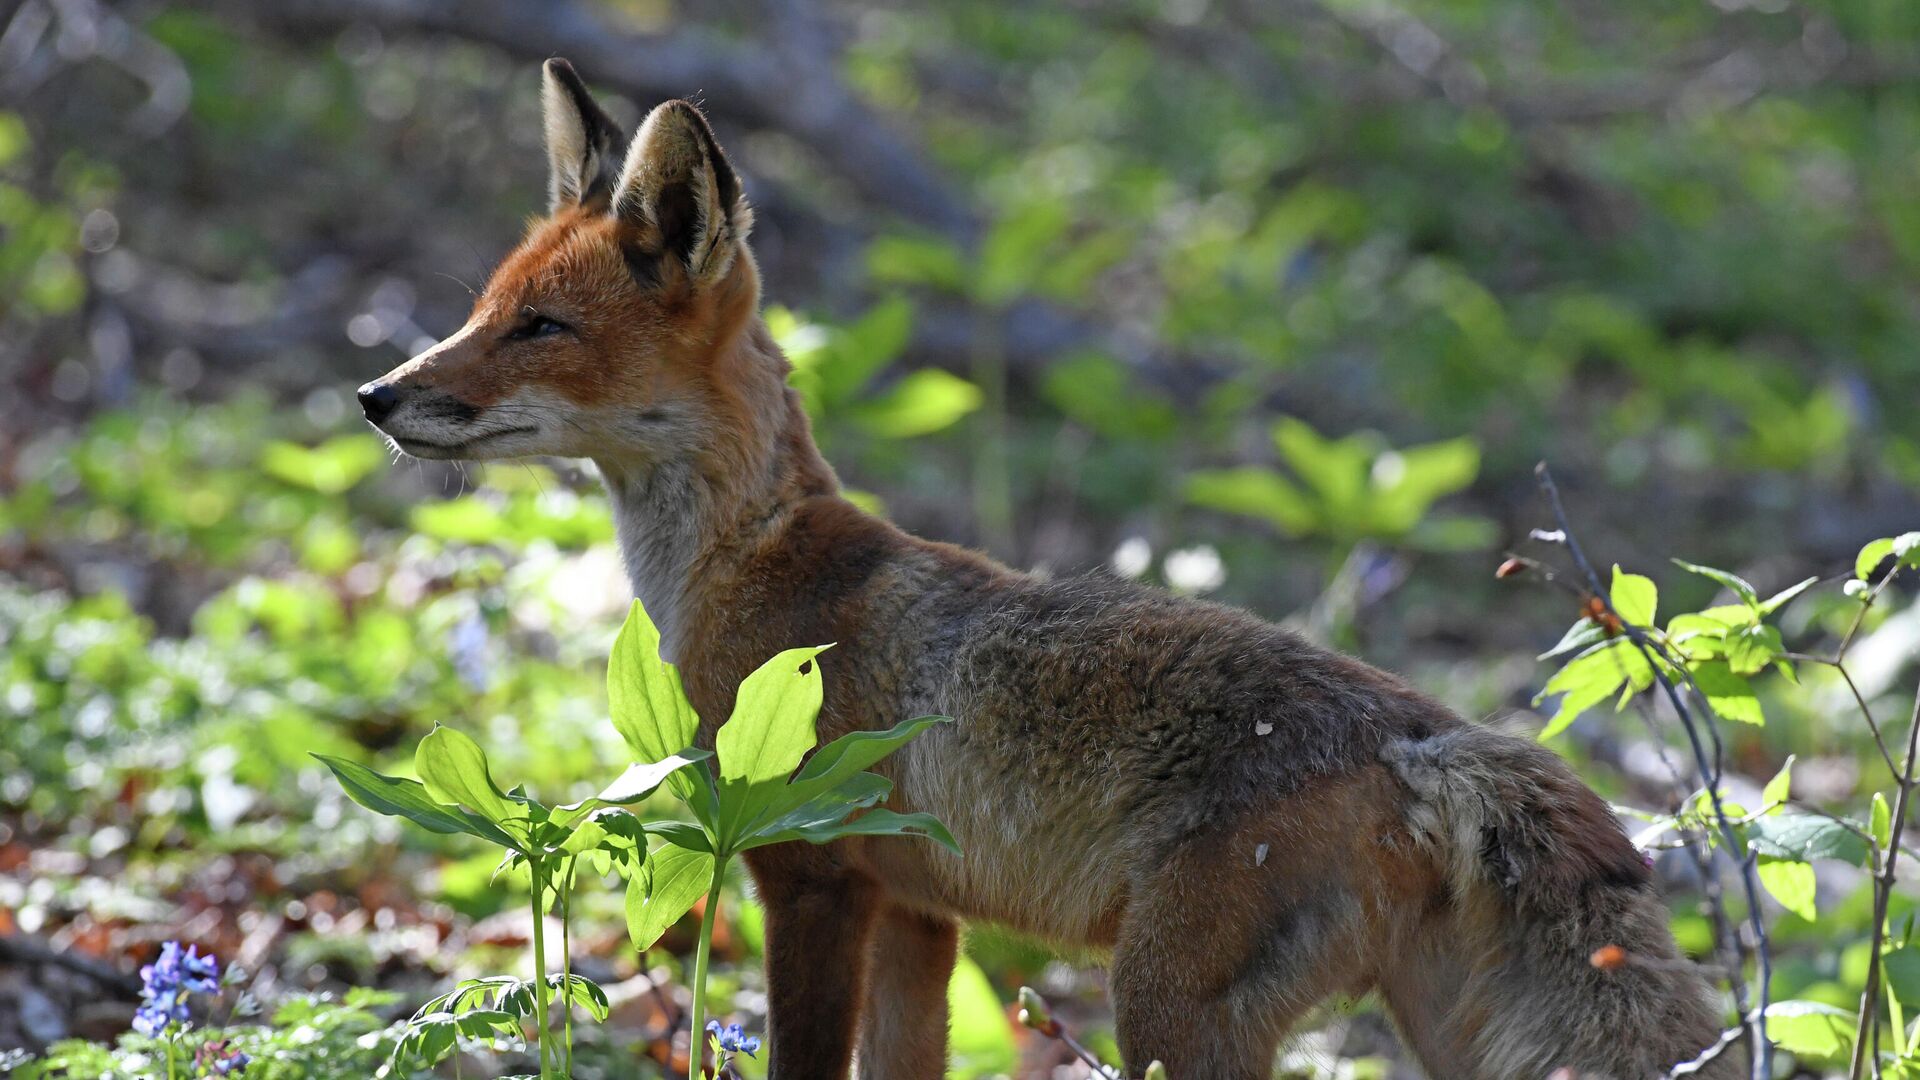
(622, 328)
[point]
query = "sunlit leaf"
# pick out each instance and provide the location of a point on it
(667, 887)
(1634, 597)
(455, 771)
(1811, 1029)
(1791, 883)
(644, 695)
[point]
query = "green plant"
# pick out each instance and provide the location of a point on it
(754, 798)
(1351, 489)
(1712, 656)
(753, 791)
(457, 794)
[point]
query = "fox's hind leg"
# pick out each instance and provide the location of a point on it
(1232, 940)
(904, 1035)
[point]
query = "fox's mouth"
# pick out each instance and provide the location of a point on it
(411, 444)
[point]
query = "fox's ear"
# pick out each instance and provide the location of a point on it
(581, 140)
(678, 180)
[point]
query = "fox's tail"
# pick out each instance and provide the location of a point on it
(1550, 949)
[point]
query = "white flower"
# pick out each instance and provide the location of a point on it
(1195, 569)
(1132, 557)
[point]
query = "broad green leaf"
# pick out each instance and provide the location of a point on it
(1581, 635)
(663, 890)
(454, 769)
(1902, 968)
(649, 707)
(1737, 584)
(1791, 883)
(1255, 492)
(1906, 548)
(1634, 597)
(1811, 1029)
(827, 807)
(838, 761)
(1778, 600)
(1586, 681)
(771, 728)
(581, 991)
(681, 833)
(1750, 651)
(638, 782)
(1731, 696)
(1778, 789)
(1807, 837)
(871, 823)
(1335, 469)
(1871, 557)
(409, 799)
(921, 403)
(1880, 822)
(330, 468)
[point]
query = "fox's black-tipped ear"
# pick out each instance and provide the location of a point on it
(677, 179)
(581, 140)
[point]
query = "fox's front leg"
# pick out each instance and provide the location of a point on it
(819, 919)
(905, 1033)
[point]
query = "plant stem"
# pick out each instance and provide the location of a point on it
(539, 965)
(566, 958)
(696, 1049)
(1882, 893)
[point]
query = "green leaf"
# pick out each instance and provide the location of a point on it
(1902, 969)
(1254, 492)
(1585, 681)
(638, 782)
(454, 769)
(921, 403)
(409, 799)
(1738, 584)
(1811, 1029)
(1778, 789)
(871, 823)
(1581, 635)
(1906, 548)
(1751, 650)
(1806, 837)
(1871, 556)
(1731, 696)
(681, 833)
(1880, 822)
(1634, 597)
(581, 991)
(663, 890)
(649, 707)
(771, 728)
(840, 760)
(1791, 883)
(330, 468)
(1778, 600)
(827, 807)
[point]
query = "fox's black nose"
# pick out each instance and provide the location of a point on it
(378, 399)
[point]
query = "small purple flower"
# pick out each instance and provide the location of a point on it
(166, 984)
(733, 1040)
(222, 1059)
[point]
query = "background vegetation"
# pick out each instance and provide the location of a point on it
(1279, 302)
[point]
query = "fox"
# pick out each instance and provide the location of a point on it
(1241, 823)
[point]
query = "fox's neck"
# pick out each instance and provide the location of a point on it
(686, 526)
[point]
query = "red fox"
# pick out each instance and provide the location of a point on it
(1246, 823)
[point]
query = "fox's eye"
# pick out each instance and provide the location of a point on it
(535, 326)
